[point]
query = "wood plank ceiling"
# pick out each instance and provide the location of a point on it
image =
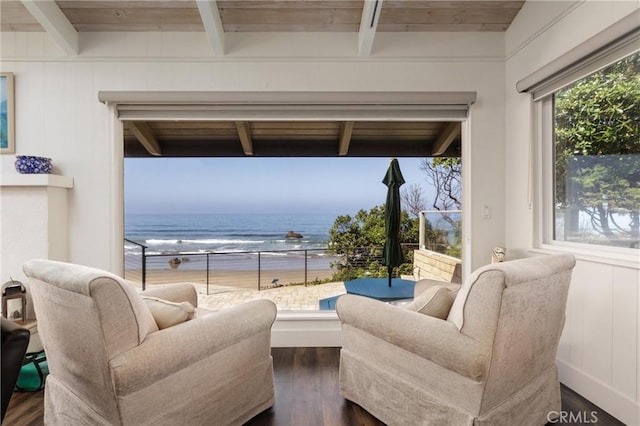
(291, 138)
(270, 15)
(67, 20)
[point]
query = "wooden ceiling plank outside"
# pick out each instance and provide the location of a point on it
(395, 132)
(424, 125)
(55, 23)
(302, 138)
(346, 129)
(368, 26)
(188, 125)
(244, 133)
(285, 132)
(194, 133)
(448, 135)
(145, 136)
(263, 125)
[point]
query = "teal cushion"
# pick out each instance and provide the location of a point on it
(33, 373)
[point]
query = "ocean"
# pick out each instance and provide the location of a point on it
(234, 237)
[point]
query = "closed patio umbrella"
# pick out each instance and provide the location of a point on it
(392, 251)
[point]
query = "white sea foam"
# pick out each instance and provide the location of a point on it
(274, 253)
(203, 241)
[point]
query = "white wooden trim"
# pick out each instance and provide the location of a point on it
(607, 398)
(543, 190)
(176, 98)
(606, 47)
(302, 113)
(368, 26)
(116, 193)
(467, 198)
(301, 106)
(212, 24)
(307, 329)
(55, 181)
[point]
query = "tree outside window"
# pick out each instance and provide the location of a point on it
(597, 157)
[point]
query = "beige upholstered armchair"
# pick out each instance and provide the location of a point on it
(490, 361)
(111, 365)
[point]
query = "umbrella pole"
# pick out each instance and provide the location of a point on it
(389, 272)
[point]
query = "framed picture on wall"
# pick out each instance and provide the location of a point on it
(7, 117)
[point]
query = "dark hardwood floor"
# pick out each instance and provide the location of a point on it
(307, 394)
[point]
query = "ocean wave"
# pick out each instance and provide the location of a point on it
(257, 234)
(202, 241)
(274, 253)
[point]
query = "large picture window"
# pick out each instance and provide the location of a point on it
(596, 136)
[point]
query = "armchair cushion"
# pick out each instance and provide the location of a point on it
(175, 292)
(436, 301)
(168, 314)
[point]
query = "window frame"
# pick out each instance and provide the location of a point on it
(544, 166)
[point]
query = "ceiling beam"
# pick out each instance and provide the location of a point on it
(450, 132)
(49, 15)
(145, 136)
(368, 26)
(346, 129)
(212, 25)
(244, 133)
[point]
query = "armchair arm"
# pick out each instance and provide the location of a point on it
(428, 337)
(179, 292)
(169, 350)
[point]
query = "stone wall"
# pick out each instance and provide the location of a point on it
(436, 266)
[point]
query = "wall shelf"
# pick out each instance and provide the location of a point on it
(56, 181)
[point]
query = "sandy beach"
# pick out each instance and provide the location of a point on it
(240, 279)
(231, 287)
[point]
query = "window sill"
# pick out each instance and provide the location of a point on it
(605, 255)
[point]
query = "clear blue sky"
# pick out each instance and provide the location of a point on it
(268, 185)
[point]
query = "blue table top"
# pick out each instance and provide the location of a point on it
(378, 288)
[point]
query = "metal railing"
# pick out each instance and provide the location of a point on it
(358, 262)
(131, 263)
(225, 271)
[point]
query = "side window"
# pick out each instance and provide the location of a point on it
(596, 157)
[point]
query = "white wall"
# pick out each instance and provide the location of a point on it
(600, 347)
(58, 113)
